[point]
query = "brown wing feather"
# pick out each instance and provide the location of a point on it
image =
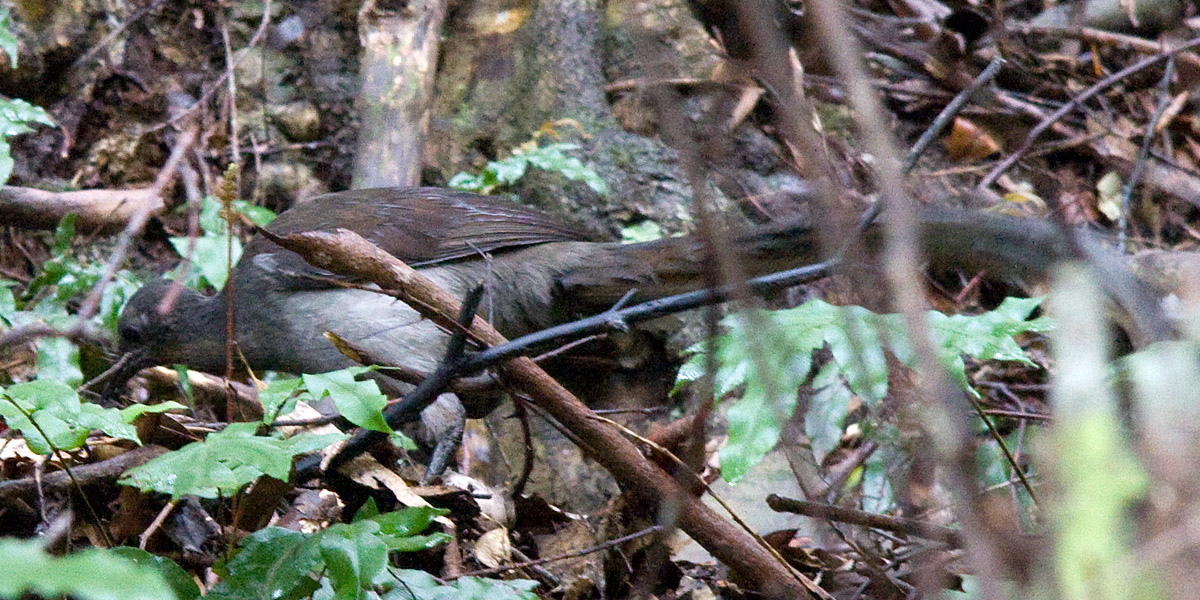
(417, 225)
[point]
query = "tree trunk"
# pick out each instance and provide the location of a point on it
(399, 59)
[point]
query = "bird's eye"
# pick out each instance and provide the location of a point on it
(129, 334)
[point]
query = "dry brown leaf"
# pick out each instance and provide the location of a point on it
(968, 142)
(494, 548)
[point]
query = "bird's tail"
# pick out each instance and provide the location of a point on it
(1004, 247)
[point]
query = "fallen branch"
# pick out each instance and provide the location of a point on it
(98, 210)
(839, 514)
(84, 475)
(345, 252)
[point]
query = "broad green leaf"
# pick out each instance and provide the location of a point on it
(223, 463)
(272, 563)
(259, 215)
(130, 413)
(419, 584)
(410, 521)
(180, 582)
(360, 402)
(280, 398)
(16, 114)
(213, 255)
(355, 558)
(825, 420)
(63, 422)
(89, 575)
(210, 256)
(58, 360)
(398, 529)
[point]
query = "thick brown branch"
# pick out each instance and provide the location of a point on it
(102, 210)
(347, 253)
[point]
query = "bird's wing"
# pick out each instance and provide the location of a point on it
(420, 226)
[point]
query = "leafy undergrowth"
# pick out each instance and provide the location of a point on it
(1095, 499)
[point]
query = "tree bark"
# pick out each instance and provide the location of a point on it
(399, 60)
(98, 210)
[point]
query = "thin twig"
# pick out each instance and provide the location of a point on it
(1139, 167)
(1100, 36)
(1071, 105)
(858, 517)
(1008, 455)
(569, 555)
(216, 85)
(952, 109)
(86, 57)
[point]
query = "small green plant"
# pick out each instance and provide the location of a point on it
(224, 462)
(360, 402)
(213, 251)
(16, 115)
(65, 278)
(49, 298)
(858, 341)
(552, 158)
(50, 415)
(350, 561)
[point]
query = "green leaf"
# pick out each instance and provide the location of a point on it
(210, 216)
(343, 561)
(466, 182)
(8, 41)
(6, 161)
(507, 171)
(130, 413)
(354, 558)
(642, 231)
(16, 114)
(63, 233)
(258, 215)
(414, 585)
(410, 521)
(89, 575)
(280, 398)
(858, 342)
(825, 420)
(63, 422)
(878, 496)
(180, 582)
(770, 383)
(58, 360)
(211, 256)
(397, 530)
(223, 463)
(272, 563)
(360, 402)
(552, 158)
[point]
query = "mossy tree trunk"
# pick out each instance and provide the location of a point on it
(516, 68)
